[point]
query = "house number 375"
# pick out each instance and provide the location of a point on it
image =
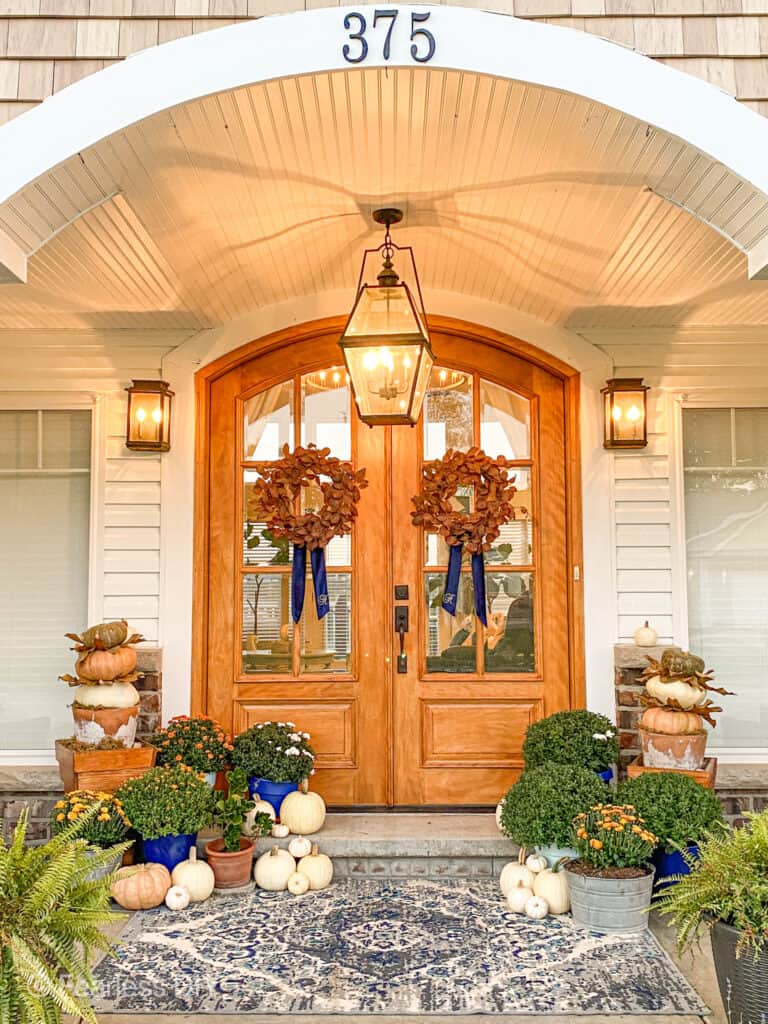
(356, 50)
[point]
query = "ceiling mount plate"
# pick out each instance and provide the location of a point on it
(387, 215)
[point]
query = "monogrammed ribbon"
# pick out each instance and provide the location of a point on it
(452, 578)
(299, 581)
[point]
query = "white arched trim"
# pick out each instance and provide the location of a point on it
(311, 42)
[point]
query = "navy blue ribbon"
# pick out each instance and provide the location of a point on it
(452, 578)
(299, 581)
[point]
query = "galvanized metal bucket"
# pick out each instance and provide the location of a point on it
(743, 981)
(610, 904)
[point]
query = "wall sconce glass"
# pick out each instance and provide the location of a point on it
(149, 416)
(625, 413)
(386, 343)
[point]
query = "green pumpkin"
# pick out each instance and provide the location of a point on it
(111, 634)
(681, 663)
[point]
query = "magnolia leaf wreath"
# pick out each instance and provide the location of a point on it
(274, 500)
(436, 510)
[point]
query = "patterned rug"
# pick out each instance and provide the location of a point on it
(375, 947)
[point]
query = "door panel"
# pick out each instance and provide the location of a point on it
(448, 730)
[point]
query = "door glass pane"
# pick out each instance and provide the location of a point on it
(726, 518)
(448, 419)
(326, 644)
(325, 419)
(66, 441)
(505, 422)
(259, 546)
(450, 639)
(707, 437)
(510, 641)
(268, 423)
(751, 430)
(18, 439)
(267, 623)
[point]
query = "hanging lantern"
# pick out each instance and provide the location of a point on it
(625, 413)
(386, 343)
(149, 416)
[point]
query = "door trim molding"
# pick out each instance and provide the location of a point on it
(204, 379)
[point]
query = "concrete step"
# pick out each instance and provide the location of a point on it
(409, 845)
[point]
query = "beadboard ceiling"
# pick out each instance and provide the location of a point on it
(527, 197)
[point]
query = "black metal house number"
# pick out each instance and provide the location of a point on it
(356, 50)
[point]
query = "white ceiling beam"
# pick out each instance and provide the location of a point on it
(13, 261)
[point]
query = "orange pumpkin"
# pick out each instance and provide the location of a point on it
(106, 665)
(671, 723)
(141, 887)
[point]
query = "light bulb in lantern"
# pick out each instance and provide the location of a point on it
(617, 414)
(141, 414)
(157, 414)
(634, 414)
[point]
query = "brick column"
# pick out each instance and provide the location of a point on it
(150, 687)
(629, 662)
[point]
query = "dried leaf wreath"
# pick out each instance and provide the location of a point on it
(434, 508)
(274, 494)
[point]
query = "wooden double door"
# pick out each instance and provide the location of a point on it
(445, 725)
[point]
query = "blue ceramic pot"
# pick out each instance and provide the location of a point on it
(169, 850)
(273, 792)
(666, 864)
(607, 775)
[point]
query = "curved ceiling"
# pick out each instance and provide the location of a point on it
(521, 195)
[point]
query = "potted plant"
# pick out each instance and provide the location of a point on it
(611, 881)
(101, 822)
(726, 892)
(538, 810)
(199, 742)
(167, 807)
(231, 857)
(276, 757)
(678, 810)
(573, 737)
(51, 925)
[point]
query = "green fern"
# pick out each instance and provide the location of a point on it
(52, 916)
(729, 882)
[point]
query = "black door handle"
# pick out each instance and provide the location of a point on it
(401, 626)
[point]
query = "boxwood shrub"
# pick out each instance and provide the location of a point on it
(538, 810)
(674, 807)
(572, 737)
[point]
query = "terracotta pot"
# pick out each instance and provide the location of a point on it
(685, 751)
(95, 724)
(231, 870)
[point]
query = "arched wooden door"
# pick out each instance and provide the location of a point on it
(447, 726)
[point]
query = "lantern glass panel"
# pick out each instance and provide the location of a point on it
(383, 378)
(385, 311)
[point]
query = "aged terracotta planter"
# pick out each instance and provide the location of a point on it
(95, 724)
(231, 870)
(685, 751)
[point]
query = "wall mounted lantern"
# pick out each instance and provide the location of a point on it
(386, 343)
(148, 427)
(625, 413)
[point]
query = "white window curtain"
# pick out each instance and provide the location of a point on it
(45, 458)
(726, 516)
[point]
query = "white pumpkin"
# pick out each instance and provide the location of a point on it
(317, 867)
(552, 885)
(259, 807)
(499, 806)
(515, 873)
(537, 908)
(300, 847)
(107, 695)
(177, 897)
(273, 869)
(280, 831)
(303, 812)
(535, 862)
(645, 636)
(687, 696)
(517, 897)
(298, 883)
(195, 876)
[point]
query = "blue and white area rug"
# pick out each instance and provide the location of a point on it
(383, 947)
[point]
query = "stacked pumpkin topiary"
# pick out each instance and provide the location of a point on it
(106, 703)
(677, 703)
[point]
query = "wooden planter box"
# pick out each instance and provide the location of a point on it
(102, 769)
(704, 776)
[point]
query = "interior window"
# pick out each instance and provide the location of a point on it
(45, 459)
(726, 519)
